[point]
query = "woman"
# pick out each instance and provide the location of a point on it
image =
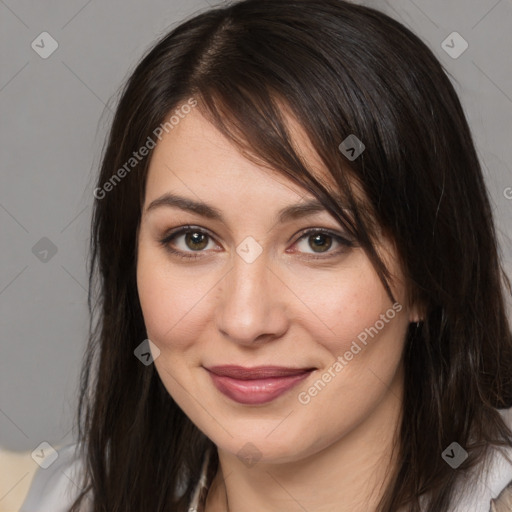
(301, 304)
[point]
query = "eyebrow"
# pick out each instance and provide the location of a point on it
(286, 214)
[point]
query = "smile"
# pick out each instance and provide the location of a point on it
(253, 386)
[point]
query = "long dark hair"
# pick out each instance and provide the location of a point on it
(340, 69)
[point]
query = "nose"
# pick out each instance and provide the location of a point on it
(251, 306)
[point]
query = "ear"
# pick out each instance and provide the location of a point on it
(416, 313)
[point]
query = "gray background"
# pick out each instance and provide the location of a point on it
(54, 117)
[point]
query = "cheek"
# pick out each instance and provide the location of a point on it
(173, 303)
(339, 306)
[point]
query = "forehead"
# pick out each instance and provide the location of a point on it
(194, 157)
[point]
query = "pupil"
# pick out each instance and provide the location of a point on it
(319, 240)
(196, 241)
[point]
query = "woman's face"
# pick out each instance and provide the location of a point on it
(242, 283)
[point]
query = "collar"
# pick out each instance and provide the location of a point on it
(199, 497)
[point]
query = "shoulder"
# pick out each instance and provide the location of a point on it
(56, 487)
(490, 490)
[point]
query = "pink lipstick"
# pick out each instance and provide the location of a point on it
(257, 385)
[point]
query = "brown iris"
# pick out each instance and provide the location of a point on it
(196, 241)
(320, 241)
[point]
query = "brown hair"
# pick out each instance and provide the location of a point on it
(341, 69)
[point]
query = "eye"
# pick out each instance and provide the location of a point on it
(320, 241)
(187, 240)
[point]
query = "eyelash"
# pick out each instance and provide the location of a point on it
(193, 255)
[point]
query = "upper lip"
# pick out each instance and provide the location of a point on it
(256, 372)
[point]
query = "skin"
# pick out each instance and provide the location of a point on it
(332, 454)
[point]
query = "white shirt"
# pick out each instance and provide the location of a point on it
(54, 489)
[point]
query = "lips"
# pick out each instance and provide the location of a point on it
(256, 385)
(257, 372)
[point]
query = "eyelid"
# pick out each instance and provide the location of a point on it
(343, 240)
(327, 231)
(187, 227)
(182, 230)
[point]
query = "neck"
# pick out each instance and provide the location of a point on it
(351, 474)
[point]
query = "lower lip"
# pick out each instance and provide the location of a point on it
(258, 391)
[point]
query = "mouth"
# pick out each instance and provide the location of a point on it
(257, 385)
